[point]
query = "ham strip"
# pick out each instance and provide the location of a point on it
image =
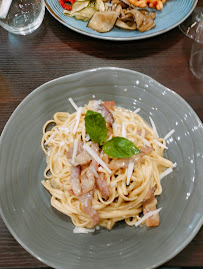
(94, 163)
(109, 105)
(86, 204)
(87, 183)
(83, 158)
(149, 204)
(75, 180)
(69, 153)
(102, 186)
(88, 179)
(105, 113)
(116, 164)
(82, 186)
(146, 150)
(103, 109)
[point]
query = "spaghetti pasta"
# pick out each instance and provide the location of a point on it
(87, 192)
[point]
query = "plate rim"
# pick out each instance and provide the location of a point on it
(99, 69)
(50, 10)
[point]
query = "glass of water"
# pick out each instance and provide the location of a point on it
(22, 16)
(196, 57)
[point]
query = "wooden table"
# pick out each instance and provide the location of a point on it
(52, 51)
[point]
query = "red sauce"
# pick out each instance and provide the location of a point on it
(66, 6)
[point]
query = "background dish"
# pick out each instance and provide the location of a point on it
(173, 13)
(47, 234)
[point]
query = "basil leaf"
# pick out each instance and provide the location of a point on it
(119, 147)
(95, 126)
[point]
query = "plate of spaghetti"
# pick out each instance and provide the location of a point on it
(121, 20)
(95, 173)
(108, 165)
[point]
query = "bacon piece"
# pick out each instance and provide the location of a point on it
(149, 204)
(83, 158)
(105, 158)
(69, 153)
(103, 109)
(146, 150)
(109, 105)
(95, 147)
(116, 164)
(75, 180)
(88, 179)
(86, 204)
(102, 186)
(71, 192)
(150, 194)
(105, 113)
(109, 130)
(84, 189)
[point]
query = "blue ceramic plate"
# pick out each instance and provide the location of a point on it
(173, 13)
(47, 234)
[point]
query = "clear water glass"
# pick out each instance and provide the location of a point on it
(189, 26)
(196, 56)
(24, 16)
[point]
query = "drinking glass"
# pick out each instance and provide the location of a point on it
(23, 17)
(192, 27)
(196, 56)
(189, 26)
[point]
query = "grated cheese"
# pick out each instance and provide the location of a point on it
(174, 165)
(75, 149)
(147, 215)
(100, 169)
(166, 173)
(109, 5)
(97, 104)
(87, 138)
(81, 230)
(154, 127)
(146, 142)
(67, 130)
(115, 126)
(96, 157)
(169, 134)
(123, 129)
(59, 154)
(136, 110)
(94, 171)
(50, 139)
(78, 114)
(62, 143)
(130, 171)
(160, 144)
(73, 103)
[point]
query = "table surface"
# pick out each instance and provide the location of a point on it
(52, 51)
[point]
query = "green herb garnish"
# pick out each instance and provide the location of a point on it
(117, 147)
(96, 127)
(120, 147)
